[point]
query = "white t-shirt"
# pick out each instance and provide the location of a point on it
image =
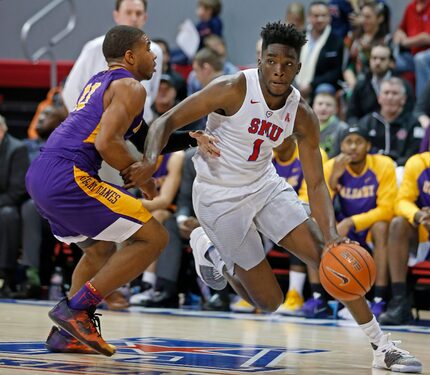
(92, 61)
(247, 138)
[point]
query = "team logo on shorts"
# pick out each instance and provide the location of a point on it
(146, 355)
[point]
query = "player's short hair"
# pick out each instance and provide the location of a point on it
(119, 39)
(279, 33)
(206, 55)
(119, 2)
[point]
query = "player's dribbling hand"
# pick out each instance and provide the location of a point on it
(137, 174)
(206, 143)
(337, 241)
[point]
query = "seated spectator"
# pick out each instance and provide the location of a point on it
(392, 130)
(49, 118)
(374, 29)
(166, 97)
(365, 187)
(364, 98)
(409, 234)
(422, 107)
(320, 56)
(14, 163)
(413, 40)
(295, 15)
(177, 79)
(215, 44)
(331, 128)
(54, 99)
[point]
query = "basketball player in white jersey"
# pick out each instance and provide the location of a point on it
(237, 193)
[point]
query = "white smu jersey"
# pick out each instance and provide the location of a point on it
(247, 138)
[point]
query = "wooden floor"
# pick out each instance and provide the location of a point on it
(155, 342)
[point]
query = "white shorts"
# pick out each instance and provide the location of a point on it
(233, 217)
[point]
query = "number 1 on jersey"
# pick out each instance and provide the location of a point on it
(256, 150)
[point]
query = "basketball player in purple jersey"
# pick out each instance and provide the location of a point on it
(83, 209)
(239, 194)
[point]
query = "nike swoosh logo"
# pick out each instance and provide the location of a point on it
(343, 278)
(254, 101)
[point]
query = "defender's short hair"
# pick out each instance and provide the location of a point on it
(279, 33)
(120, 39)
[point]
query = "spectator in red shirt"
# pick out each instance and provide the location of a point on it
(413, 36)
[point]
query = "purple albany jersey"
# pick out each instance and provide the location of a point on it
(357, 195)
(63, 180)
(76, 135)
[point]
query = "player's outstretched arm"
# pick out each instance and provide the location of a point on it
(224, 94)
(306, 129)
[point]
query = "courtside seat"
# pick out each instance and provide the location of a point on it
(420, 277)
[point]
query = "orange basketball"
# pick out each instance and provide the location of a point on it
(347, 271)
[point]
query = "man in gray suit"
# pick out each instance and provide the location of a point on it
(13, 166)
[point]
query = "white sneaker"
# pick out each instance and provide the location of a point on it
(387, 355)
(137, 299)
(206, 270)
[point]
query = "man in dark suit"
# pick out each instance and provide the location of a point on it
(322, 56)
(13, 166)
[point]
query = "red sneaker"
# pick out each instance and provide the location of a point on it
(84, 325)
(58, 343)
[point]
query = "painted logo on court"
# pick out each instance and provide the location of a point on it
(148, 355)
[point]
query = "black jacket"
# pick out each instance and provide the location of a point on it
(14, 163)
(329, 64)
(398, 139)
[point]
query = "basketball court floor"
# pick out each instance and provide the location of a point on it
(163, 341)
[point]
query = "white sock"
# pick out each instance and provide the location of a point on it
(372, 330)
(149, 277)
(216, 259)
(297, 281)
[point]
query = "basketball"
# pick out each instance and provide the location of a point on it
(347, 271)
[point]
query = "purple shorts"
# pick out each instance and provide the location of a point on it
(78, 205)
